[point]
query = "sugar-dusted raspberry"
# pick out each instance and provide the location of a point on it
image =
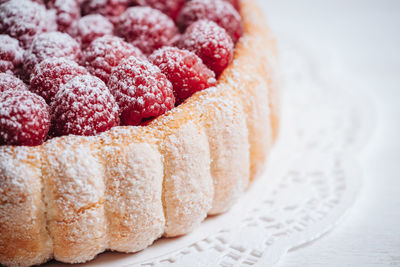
(83, 106)
(219, 11)
(141, 90)
(170, 7)
(10, 82)
(210, 42)
(175, 41)
(68, 13)
(105, 53)
(48, 45)
(91, 27)
(234, 3)
(24, 118)
(184, 70)
(111, 9)
(36, 1)
(11, 54)
(50, 74)
(23, 19)
(146, 28)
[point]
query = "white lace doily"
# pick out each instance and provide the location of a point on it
(312, 179)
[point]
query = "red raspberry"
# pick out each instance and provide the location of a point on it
(91, 27)
(24, 118)
(37, 1)
(146, 28)
(175, 41)
(68, 13)
(105, 53)
(23, 19)
(170, 7)
(50, 74)
(210, 42)
(184, 69)
(83, 106)
(10, 82)
(111, 9)
(47, 45)
(234, 3)
(219, 11)
(141, 91)
(11, 54)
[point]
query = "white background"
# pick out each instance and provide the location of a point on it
(362, 41)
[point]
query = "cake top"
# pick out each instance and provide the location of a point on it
(83, 67)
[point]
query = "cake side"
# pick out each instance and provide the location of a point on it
(24, 239)
(123, 189)
(253, 75)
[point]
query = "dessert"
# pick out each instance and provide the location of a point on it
(73, 197)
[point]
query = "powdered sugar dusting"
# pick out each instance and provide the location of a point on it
(234, 3)
(23, 19)
(48, 45)
(133, 195)
(225, 123)
(91, 27)
(67, 14)
(210, 42)
(141, 90)
(21, 208)
(74, 193)
(24, 118)
(184, 69)
(108, 8)
(11, 54)
(83, 106)
(10, 82)
(49, 75)
(146, 28)
(187, 195)
(105, 53)
(170, 7)
(218, 11)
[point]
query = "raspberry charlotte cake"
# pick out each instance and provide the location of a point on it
(123, 121)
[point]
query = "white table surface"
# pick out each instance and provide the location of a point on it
(362, 37)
